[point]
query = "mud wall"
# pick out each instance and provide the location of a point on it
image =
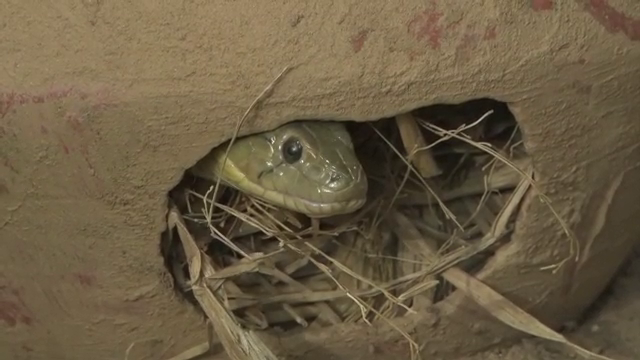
(104, 104)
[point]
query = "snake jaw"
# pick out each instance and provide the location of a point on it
(327, 210)
(317, 209)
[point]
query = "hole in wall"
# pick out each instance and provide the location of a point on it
(276, 267)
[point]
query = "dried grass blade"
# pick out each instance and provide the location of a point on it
(424, 183)
(509, 313)
(240, 344)
(574, 244)
(415, 144)
(350, 272)
(493, 302)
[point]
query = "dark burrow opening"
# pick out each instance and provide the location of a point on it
(276, 268)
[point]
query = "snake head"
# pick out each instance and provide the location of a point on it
(305, 166)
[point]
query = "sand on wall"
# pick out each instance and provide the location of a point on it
(103, 105)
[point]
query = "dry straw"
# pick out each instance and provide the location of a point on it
(260, 267)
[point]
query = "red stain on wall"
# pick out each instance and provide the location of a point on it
(11, 99)
(612, 20)
(65, 148)
(472, 37)
(12, 314)
(6, 163)
(75, 121)
(13, 310)
(541, 5)
(426, 26)
(85, 279)
(468, 41)
(358, 40)
(434, 26)
(84, 151)
(490, 33)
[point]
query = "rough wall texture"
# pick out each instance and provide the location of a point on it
(104, 104)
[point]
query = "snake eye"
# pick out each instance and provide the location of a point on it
(292, 150)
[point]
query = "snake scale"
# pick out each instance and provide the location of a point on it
(304, 166)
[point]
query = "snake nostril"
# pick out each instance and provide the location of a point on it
(336, 180)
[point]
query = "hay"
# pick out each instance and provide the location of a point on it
(252, 267)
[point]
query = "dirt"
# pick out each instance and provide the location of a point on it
(103, 105)
(610, 327)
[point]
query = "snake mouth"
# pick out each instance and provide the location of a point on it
(345, 201)
(309, 207)
(320, 210)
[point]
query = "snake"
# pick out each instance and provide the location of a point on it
(307, 166)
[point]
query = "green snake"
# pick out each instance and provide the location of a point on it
(308, 167)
